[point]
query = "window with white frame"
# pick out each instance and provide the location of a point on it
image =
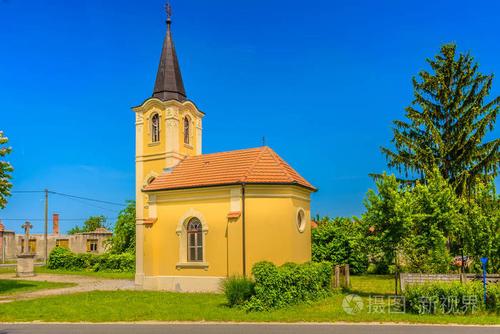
(194, 240)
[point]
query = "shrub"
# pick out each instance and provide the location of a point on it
(341, 241)
(451, 298)
(62, 258)
(289, 284)
(238, 290)
(493, 297)
(115, 262)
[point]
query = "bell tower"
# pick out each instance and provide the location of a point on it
(168, 124)
(168, 128)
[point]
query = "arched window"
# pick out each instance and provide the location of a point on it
(155, 128)
(194, 240)
(186, 130)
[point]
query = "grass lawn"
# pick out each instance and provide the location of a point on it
(9, 287)
(101, 274)
(102, 306)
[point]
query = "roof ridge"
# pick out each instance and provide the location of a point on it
(200, 156)
(277, 158)
(250, 169)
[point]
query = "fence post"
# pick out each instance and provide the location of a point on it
(337, 276)
(347, 276)
(402, 282)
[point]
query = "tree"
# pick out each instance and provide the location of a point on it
(5, 171)
(124, 233)
(388, 213)
(425, 225)
(91, 224)
(447, 124)
(436, 216)
(480, 231)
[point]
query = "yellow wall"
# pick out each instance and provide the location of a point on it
(271, 229)
(271, 211)
(153, 158)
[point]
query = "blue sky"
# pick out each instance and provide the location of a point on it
(321, 80)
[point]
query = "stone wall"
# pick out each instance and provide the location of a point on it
(7, 246)
(77, 243)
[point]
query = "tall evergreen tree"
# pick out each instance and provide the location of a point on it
(5, 171)
(447, 124)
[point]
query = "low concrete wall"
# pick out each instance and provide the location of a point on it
(182, 283)
(406, 279)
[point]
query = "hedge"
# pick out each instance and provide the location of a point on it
(289, 284)
(451, 298)
(62, 258)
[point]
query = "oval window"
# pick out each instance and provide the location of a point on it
(301, 220)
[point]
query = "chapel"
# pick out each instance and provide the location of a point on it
(204, 217)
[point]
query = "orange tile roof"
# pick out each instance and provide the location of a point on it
(250, 166)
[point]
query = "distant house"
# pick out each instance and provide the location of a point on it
(12, 245)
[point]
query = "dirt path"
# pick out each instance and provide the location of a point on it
(84, 284)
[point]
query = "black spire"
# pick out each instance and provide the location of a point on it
(168, 85)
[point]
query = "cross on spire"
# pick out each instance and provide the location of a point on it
(168, 84)
(168, 10)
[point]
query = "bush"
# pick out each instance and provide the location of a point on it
(62, 258)
(238, 290)
(451, 298)
(289, 284)
(115, 262)
(341, 241)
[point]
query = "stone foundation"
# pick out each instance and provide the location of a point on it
(182, 283)
(25, 265)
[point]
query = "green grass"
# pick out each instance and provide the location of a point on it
(9, 287)
(100, 274)
(372, 285)
(7, 270)
(99, 306)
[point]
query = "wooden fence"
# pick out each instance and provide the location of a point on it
(341, 277)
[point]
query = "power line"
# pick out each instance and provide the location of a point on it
(68, 195)
(91, 204)
(87, 199)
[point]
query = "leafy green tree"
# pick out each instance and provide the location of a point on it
(425, 225)
(124, 233)
(340, 241)
(480, 231)
(447, 124)
(91, 224)
(388, 213)
(436, 215)
(5, 171)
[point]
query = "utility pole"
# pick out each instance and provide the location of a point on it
(46, 224)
